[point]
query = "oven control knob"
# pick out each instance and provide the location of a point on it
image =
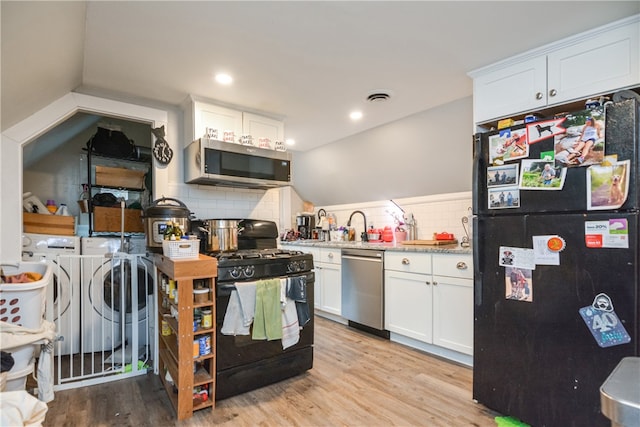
(293, 267)
(235, 272)
(249, 271)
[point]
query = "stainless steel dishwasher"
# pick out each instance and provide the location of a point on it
(363, 289)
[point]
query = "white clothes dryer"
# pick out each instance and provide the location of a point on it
(137, 245)
(63, 296)
(110, 291)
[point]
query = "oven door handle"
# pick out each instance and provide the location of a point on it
(232, 287)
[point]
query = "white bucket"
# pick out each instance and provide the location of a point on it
(21, 356)
(17, 380)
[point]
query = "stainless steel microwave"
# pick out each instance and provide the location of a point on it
(212, 162)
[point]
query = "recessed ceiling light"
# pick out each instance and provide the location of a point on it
(356, 115)
(291, 141)
(224, 79)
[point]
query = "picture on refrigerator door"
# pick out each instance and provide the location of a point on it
(504, 197)
(523, 258)
(502, 175)
(547, 156)
(582, 143)
(508, 145)
(545, 129)
(607, 186)
(541, 175)
(518, 284)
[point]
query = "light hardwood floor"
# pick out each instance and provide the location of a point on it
(357, 380)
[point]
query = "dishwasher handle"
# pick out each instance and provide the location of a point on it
(362, 258)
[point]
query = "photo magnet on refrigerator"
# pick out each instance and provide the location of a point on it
(603, 322)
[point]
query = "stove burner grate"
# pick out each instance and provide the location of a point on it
(255, 254)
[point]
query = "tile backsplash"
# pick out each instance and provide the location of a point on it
(438, 213)
(209, 202)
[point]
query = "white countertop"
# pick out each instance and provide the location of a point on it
(453, 248)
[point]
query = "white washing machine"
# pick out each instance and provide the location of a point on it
(63, 296)
(107, 275)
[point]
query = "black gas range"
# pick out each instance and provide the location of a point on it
(243, 364)
(255, 264)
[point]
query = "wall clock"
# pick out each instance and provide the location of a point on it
(161, 149)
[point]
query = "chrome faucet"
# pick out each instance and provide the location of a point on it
(364, 235)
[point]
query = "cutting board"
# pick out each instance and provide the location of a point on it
(430, 242)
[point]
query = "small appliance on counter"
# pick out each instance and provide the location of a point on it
(157, 216)
(305, 225)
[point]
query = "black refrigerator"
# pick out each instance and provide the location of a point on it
(556, 298)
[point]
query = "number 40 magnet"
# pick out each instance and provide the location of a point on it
(603, 322)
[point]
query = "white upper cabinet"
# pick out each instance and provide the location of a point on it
(520, 87)
(214, 117)
(263, 130)
(605, 62)
(202, 116)
(600, 61)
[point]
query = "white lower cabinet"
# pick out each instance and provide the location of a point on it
(453, 302)
(329, 280)
(327, 288)
(429, 298)
(408, 302)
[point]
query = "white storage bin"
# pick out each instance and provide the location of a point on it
(181, 249)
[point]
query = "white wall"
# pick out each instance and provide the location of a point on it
(424, 154)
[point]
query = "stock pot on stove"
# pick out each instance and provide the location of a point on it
(158, 215)
(222, 234)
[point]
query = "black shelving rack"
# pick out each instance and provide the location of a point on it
(121, 162)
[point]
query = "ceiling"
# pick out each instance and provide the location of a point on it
(308, 63)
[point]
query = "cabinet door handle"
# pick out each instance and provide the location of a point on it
(553, 92)
(435, 283)
(539, 95)
(405, 261)
(330, 255)
(461, 265)
(428, 282)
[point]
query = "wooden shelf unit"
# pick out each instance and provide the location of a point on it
(177, 350)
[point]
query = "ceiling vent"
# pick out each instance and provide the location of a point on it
(378, 97)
